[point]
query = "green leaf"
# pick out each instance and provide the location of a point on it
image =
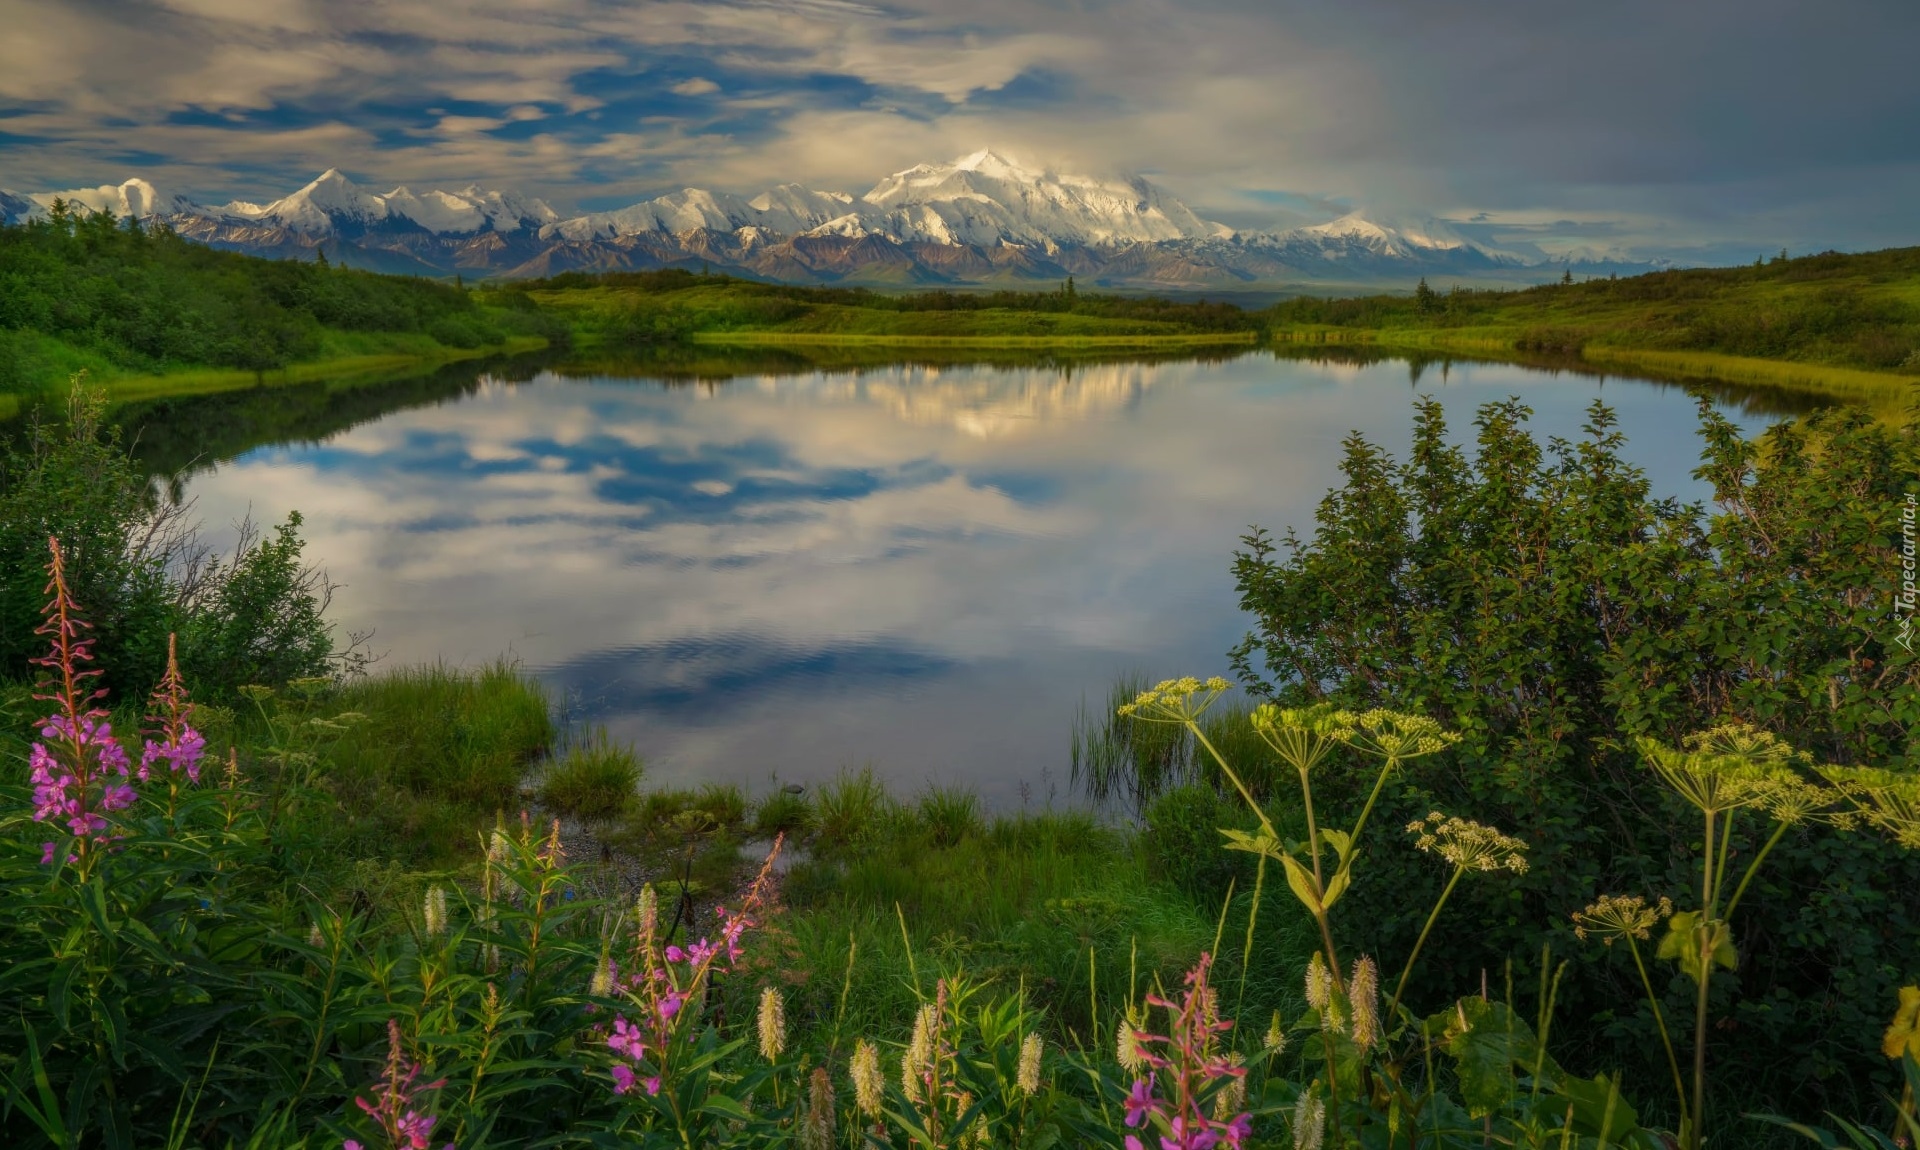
(1681, 944)
(1260, 844)
(1341, 880)
(1486, 1040)
(1590, 1098)
(1301, 883)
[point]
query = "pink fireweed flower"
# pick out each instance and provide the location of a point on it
(668, 993)
(172, 738)
(78, 769)
(1140, 1101)
(394, 1106)
(1191, 1060)
(626, 1040)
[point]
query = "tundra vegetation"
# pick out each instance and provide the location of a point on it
(1538, 812)
(151, 315)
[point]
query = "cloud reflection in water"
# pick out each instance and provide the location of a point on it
(924, 568)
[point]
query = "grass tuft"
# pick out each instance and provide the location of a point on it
(596, 780)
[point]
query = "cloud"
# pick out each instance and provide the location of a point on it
(1715, 121)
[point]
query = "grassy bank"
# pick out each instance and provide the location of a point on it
(147, 313)
(1842, 327)
(668, 306)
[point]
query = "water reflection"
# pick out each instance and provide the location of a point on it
(926, 566)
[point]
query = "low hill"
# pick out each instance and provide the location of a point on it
(1847, 326)
(121, 300)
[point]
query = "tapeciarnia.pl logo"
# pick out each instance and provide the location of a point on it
(1903, 603)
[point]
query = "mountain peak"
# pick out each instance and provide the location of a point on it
(988, 162)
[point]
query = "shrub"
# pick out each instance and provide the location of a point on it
(1541, 602)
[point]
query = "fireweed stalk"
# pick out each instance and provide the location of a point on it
(1183, 1070)
(171, 738)
(395, 1106)
(667, 986)
(80, 774)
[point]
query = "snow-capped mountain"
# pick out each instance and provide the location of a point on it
(333, 204)
(982, 218)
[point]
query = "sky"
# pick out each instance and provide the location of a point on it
(1716, 128)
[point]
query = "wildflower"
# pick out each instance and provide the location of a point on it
(626, 1039)
(1363, 991)
(435, 912)
(1232, 1098)
(1172, 700)
(179, 746)
(1886, 799)
(1276, 1038)
(78, 770)
(1319, 983)
(1468, 845)
(314, 938)
(1140, 1101)
(869, 1085)
(772, 1025)
(623, 1077)
(816, 1131)
(1302, 736)
(395, 1098)
(1719, 774)
(1397, 736)
(1309, 1122)
(648, 911)
(1618, 916)
(604, 974)
(1028, 1077)
(1131, 1052)
(916, 1061)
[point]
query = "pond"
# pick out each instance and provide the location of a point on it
(781, 571)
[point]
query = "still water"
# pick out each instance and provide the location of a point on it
(778, 575)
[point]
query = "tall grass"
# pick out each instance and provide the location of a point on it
(429, 754)
(596, 780)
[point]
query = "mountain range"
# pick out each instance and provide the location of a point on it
(981, 219)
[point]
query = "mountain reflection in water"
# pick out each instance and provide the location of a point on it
(781, 570)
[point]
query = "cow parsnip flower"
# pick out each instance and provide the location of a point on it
(1302, 736)
(1617, 916)
(1396, 735)
(1181, 700)
(1886, 799)
(1469, 845)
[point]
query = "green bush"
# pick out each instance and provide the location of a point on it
(1542, 602)
(1182, 840)
(256, 617)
